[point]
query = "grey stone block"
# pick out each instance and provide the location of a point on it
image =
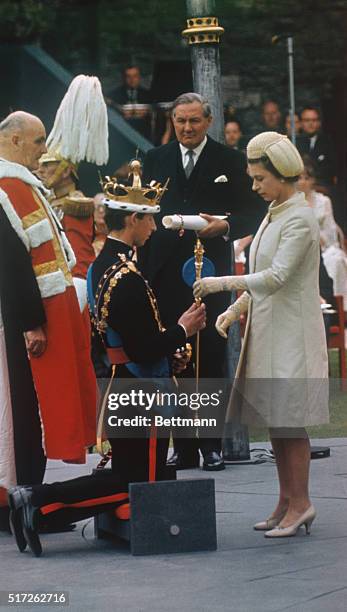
(166, 517)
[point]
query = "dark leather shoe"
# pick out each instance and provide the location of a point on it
(15, 503)
(30, 521)
(213, 462)
(183, 463)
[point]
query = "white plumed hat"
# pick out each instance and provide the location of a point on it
(80, 130)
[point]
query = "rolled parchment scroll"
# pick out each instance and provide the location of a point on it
(188, 222)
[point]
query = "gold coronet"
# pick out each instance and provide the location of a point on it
(149, 195)
(202, 30)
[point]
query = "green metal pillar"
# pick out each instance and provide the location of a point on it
(203, 33)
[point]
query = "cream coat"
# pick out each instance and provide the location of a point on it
(282, 376)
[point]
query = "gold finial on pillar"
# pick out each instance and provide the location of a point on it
(202, 30)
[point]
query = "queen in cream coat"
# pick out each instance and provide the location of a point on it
(281, 380)
(282, 376)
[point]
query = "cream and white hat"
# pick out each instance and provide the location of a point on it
(283, 155)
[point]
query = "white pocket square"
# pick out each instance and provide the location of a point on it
(221, 179)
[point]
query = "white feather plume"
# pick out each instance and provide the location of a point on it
(80, 130)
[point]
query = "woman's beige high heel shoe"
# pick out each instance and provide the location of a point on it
(269, 523)
(284, 532)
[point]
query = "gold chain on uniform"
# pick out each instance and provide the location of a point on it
(112, 275)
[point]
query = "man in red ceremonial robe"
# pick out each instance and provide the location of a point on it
(63, 375)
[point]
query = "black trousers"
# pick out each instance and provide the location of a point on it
(105, 489)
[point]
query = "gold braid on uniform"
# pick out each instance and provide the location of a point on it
(102, 298)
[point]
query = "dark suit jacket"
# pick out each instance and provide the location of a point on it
(21, 302)
(163, 257)
(322, 155)
(119, 95)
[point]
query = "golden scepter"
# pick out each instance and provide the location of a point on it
(198, 262)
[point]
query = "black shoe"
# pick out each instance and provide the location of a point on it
(30, 521)
(15, 503)
(183, 463)
(213, 462)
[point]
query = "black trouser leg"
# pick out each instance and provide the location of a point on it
(130, 458)
(91, 495)
(105, 489)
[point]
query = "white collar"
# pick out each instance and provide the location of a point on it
(119, 240)
(197, 150)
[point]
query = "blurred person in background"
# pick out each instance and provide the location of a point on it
(331, 235)
(100, 227)
(233, 133)
(319, 146)
(132, 100)
(271, 116)
(297, 125)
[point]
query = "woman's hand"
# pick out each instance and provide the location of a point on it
(225, 320)
(209, 284)
(232, 314)
(212, 284)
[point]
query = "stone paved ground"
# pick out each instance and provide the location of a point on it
(246, 574)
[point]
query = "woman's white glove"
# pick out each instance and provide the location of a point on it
(232, 314)
(215, 284)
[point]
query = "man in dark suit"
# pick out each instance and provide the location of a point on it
(193, 162)
(130, 99)
(318, 146)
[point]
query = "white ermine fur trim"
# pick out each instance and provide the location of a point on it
(39, 232)
(63, 241)
(12, 170)
(51, 284)
(128, 206)
(70, 255)
(13, 218)
(81, 290)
